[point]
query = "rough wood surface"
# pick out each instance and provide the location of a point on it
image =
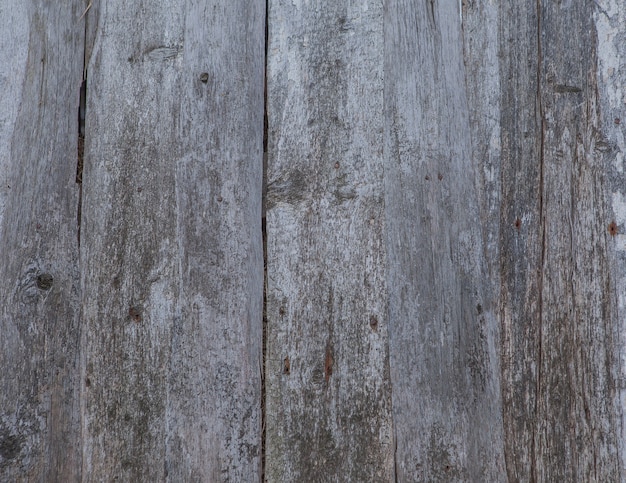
(40, 72)
(610, 28)
(328, 392)
(171, 249)
(442, 326)
(558, 307)
(446, 219)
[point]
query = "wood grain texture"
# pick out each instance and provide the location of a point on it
(558, 305)
(481, 44)
(610, 148)
(445, 241)
(442, 326)
(40, 71)
(328, 392)
(172, 253)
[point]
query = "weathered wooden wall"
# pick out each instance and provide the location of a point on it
(444, 262)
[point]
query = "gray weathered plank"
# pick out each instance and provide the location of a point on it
(558, 307)
(481, 44)
(40, 73)
(442, 326)
(171, 247)
(610, 28)
(328, 394)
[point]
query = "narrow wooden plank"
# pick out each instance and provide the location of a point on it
(328, 392)
(610, 147)
(171, 245)
(442, 326)
(558, 307)
(481, 46)
(40, 71)
(520, 235)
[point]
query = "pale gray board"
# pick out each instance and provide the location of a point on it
(610, 29)
(558, 304)
(442, 315)
(171, 248)
(328, 388)
(40, 74)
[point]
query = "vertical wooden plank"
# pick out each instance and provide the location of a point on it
(328, 393)
(610, 147)
(172, 250)
(558, 307)
(521, 243)
(481, 44)
(40, 71)
(442, 326)
(217, 343)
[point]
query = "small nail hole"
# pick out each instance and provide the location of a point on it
(44, 281)
(135, 313)
(374, 323)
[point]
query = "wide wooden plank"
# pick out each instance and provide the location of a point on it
(328, 393)
(171, 242)
(442, 325)
(40, 75)
(558, 307)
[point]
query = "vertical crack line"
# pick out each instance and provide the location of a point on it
(395, 456)
(264, 234)
(82, 111)
(542, 228)
(80, 154)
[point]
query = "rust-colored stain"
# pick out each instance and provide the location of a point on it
(328, 364)
(612, 228)
(518, 223)
(374, 323)
(286, 366)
